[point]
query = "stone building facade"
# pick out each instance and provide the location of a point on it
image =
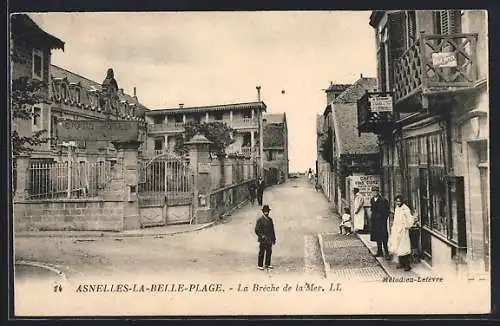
(276, 162)
(434, 140)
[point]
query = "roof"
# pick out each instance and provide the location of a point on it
(88, 84)
(220, 107)
(356, 90)
(337, 87)
(22, 24)
(349, 141)
(275, 118)
(345, 120)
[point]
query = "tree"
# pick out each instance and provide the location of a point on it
(26, 93)
(219, 133)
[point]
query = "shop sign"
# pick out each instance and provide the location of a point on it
(381, 104)
(444, 60)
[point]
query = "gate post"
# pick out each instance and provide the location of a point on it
(199, 160)
(123, 187)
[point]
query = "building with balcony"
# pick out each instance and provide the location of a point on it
(68, 96)
(342, 150)
(164, 124)
(430, 113)
(276, 162)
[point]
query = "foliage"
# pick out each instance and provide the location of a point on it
(26, 93)
(219, 133)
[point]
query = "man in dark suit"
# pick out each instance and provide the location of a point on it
(380, 214)
(260, 190)
(264, 228)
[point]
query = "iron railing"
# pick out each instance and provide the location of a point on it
(223, 200)
(419, 70)
(67, 179)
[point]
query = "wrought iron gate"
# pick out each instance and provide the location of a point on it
(165, 190)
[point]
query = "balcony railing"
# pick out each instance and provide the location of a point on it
(435, 64)
(375, 112)
(244, 123)
(166, 127)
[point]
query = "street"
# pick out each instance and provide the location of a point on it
(228, 248)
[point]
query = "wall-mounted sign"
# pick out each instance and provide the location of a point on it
(113, 130)
(204, 168)
(364, 183)
(381, 104)
(444, 60)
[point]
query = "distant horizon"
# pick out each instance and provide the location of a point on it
(216, 58)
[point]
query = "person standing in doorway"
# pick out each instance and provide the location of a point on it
(260, 190)
(264, 229)
(380, 214)
(358, 210)
(399, 241)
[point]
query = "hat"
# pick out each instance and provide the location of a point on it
(266, 208)
(375, 189)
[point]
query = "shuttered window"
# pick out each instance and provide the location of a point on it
(448, 22)
(396, 42)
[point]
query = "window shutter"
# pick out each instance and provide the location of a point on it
(397, 41)
(450, 21)
(412, 28)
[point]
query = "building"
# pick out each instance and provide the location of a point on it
(276, 162)
(68, 95)
(344, 152)
(431, 117)
(245, 118)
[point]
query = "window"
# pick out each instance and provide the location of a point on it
(64, 91)
(53, 129)
(426, 168)
(37, 118)
(247, 114)
(37, 64)
(411, 27)
(247, 140)
(448, 22)
(218, 116)
(179, 118)
(77, 95)
(270, 156)
(158, 119)
(159, 144)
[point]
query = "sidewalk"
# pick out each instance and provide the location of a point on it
(147, 232)
(421, 269)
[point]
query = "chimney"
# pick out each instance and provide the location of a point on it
(135, 91)
(181, 105)
(361, 76)
(258, 93)
(121, 91)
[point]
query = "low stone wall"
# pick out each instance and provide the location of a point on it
(68, 214)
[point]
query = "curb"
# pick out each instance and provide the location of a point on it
(326, 265)
(39, 234)
(378, 259)
(49, 267)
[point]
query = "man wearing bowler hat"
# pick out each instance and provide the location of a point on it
(378, 230)
(264, 229)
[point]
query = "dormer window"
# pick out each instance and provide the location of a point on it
(64, 91)
(77, 95)
(37, 59)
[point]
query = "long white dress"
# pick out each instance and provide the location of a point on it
(358, 218)
(399, 239)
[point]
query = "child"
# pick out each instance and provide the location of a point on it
(346, 225)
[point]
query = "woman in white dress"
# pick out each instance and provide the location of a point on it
(399, 239)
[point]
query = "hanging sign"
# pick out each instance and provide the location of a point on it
(444, 60)
(381, 104)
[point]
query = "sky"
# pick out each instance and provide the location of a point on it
(207, 58)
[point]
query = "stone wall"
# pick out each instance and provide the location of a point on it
(68, 214)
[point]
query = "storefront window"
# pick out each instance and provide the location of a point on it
(426, 168)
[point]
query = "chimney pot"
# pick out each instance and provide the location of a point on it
(361, 75)
(135, 92)
(181, 105)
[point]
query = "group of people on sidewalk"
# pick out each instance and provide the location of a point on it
(398, 242)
